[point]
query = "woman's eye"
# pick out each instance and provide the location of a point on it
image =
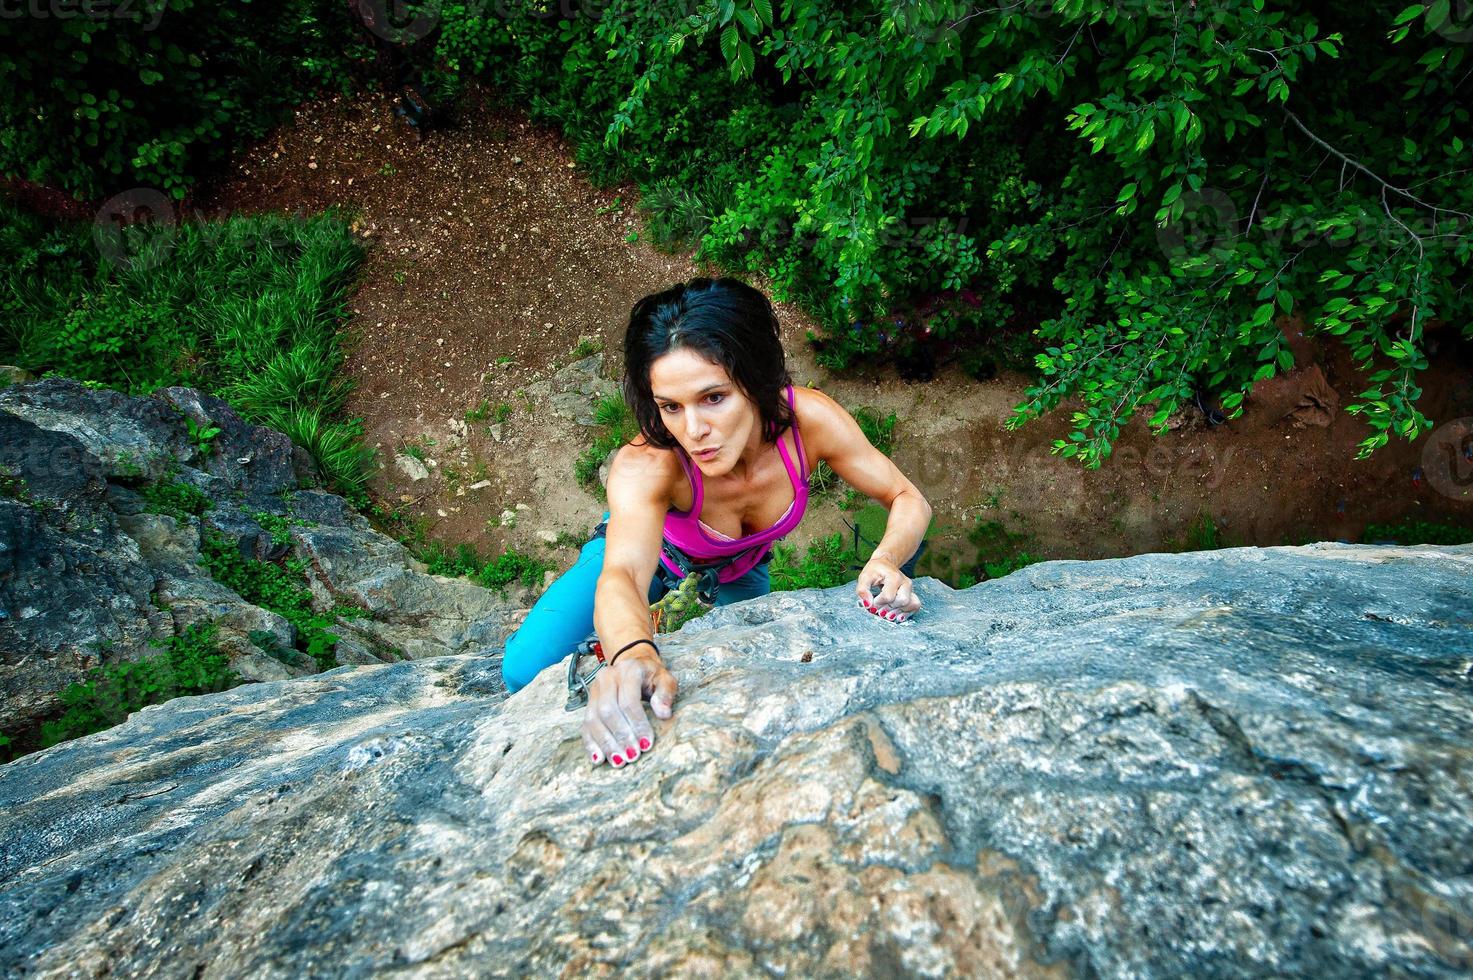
(718, 398)
(666, 408)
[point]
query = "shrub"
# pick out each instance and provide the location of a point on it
(1418, 532)
(156, 93)
(825, 564)
(247, 308)
(1121, 185)
(190, 664)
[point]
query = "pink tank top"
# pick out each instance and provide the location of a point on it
(685, 530)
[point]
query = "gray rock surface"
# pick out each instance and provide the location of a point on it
(92, 573)
(1236, 763)
(574, 391)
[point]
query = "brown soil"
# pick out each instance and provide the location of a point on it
(486, 242)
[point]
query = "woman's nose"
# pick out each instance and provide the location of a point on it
(695, 426)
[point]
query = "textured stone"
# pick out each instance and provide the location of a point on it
(90, 577)
(1246, 762)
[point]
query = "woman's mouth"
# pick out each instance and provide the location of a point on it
(707, 454)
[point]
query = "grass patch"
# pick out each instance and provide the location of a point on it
(1202, 534)
(618, 426)
(189, 664)
(247, 308)
(1418, 532)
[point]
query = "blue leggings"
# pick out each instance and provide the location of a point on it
(563, 615)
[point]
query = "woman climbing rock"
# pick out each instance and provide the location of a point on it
(718, 474)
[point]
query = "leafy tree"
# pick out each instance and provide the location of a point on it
(1154, 184)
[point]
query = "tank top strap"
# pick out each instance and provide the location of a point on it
(692, 474)
(797, 443)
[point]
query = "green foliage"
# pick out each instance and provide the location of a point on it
(1413, 531)
(1152, 188)
(279, 526)
(825, 564)
(178, 500)
(13, 485)
(879, 431)
(1202, 534)
(202, 437)
(154, 93)
(190, 664)
(247, 308)
(279, 588)
(999, 552)
(618, 426)
(493, 573)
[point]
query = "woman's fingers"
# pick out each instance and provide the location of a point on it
(662, 693)
(598, 737)
(591, 747)
(638, 736)
(897, 607)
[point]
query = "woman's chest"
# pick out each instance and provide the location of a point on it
(739, 509)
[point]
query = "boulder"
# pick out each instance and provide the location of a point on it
(95, 571)
(1243, 762)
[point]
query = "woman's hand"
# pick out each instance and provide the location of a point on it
(615, 728)
(896, 601)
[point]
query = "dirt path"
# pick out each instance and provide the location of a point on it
(492, 258)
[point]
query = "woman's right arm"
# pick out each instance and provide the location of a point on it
(615, 728)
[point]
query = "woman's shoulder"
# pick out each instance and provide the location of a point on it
(650, 466)
(814, 410)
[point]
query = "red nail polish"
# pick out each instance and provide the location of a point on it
(644, 744)
(596, 758)
(617, 761)
(633, 753)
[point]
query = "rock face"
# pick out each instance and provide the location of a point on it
(104, 503)
(1244, 762)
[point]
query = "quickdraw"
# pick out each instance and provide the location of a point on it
(578, 684)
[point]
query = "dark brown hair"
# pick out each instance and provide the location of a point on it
(725, 321)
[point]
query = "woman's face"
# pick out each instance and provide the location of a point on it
(703, 409)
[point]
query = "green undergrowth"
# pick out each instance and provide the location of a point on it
(465, 561)
(280, 588)
(246, 308)
(1418, 532)
(175, 499)
(189, 664)
(826, 563)
(1203, 534)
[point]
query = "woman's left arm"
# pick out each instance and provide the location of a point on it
(832, 436)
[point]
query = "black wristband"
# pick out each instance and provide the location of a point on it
(633, 644)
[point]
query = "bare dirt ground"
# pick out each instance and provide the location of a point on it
(491, 258)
